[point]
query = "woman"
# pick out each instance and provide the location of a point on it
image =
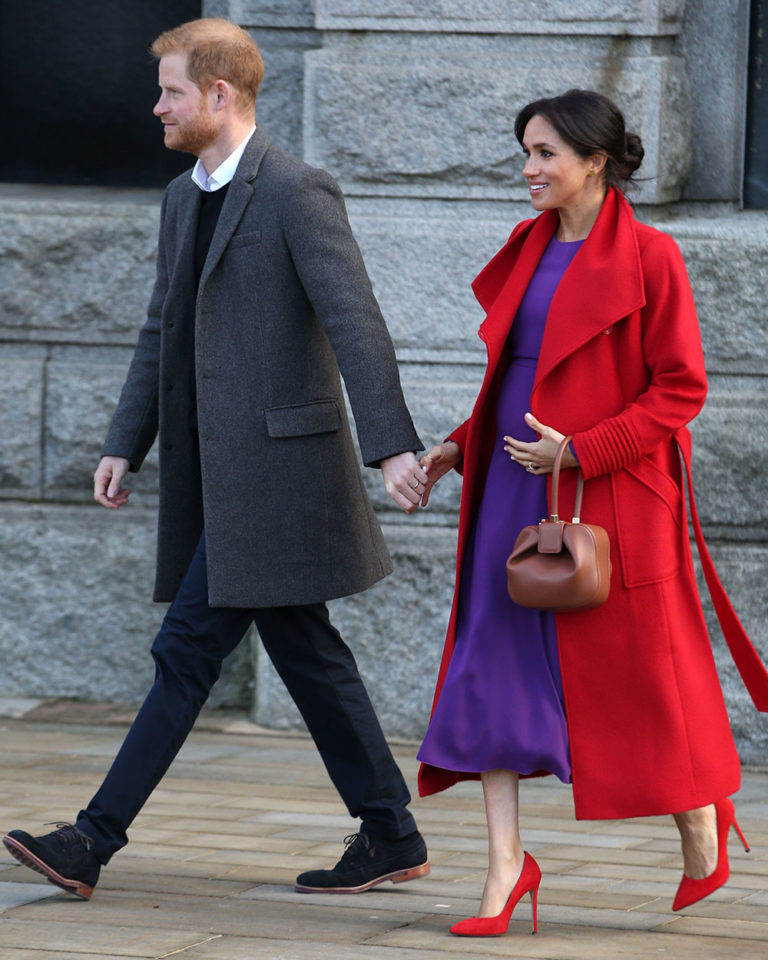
(623, 700)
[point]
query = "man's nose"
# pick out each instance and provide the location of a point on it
(160, 107)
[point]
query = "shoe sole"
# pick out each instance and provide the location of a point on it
(76, 887)
(398, 876)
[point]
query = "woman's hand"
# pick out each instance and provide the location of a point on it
(539, 457)
(440, 459)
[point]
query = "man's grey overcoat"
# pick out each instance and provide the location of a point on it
(284, 303)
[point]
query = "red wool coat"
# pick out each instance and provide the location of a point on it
(620, 368)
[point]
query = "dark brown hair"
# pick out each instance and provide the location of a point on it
(589, 123)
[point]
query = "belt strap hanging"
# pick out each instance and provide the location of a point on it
(746, 658)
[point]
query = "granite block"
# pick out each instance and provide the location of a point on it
(72, 270)
(21, 424)
(441, 124)
(714, 42)
(80, 400)
(78, 619)
(731, 459)
(646, 17)
(262, 13)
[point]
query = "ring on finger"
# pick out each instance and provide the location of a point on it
(530, 468)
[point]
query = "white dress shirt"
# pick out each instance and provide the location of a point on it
(223, 174)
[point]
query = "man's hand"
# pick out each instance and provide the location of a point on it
(106, 482)
(404, 480)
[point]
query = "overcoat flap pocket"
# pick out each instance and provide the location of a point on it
(649, 523)
(660, 483)
(299, 420)
(244, 239)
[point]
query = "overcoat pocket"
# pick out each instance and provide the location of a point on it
(303, 419)
(649, 521)
(244, 239)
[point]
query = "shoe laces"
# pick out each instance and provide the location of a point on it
(356, 846)
(69, 835)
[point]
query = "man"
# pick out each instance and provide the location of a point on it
(261, 297)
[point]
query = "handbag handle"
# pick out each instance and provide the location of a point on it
(554, 517)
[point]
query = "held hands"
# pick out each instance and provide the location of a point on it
(106, 482)
(404, 480)
(440, 460)
(539, 457)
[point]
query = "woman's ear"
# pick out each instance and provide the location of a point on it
(597, 163)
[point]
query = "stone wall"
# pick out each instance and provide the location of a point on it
(410, 106)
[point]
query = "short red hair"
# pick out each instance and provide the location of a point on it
(216, 49)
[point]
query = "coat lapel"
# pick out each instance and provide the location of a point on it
(603, 284)
(183, 275)
(502, 284)
(238, 197)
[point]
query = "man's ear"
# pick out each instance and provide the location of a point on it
(222, 94)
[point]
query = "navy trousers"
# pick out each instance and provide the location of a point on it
(317, 668)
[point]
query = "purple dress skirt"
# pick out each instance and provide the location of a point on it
(501, 705)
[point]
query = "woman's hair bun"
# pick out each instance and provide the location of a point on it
(633, 156)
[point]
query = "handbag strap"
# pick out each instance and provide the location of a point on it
(554, 516)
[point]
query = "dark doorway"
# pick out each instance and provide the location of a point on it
(756, 148)
(78, 86)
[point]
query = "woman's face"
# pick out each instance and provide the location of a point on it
(557, 176)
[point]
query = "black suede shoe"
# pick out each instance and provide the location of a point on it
(64, 856)
(366, 862)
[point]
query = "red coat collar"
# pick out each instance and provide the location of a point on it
(603, 283)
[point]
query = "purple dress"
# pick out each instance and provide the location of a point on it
(501, 705)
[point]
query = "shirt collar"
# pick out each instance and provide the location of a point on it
(225, 171)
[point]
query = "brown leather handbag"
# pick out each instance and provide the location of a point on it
(559, 565)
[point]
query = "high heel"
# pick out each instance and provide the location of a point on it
(691, 890)
(529, 880)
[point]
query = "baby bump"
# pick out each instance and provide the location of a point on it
(515, 400)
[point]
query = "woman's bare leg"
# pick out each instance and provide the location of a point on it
(505, 851)
(698, 836)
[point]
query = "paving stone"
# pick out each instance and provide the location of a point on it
(230, 948)
(86, 936)
(147, 881)
(386, 897)
(595, 854)
(574, 943)
(15, 894)
(11, 953)
(219, 886)
(730, 906)
(711, 927)
(17, 706)
(227, 915)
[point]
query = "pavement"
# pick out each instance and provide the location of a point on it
(209, 871)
